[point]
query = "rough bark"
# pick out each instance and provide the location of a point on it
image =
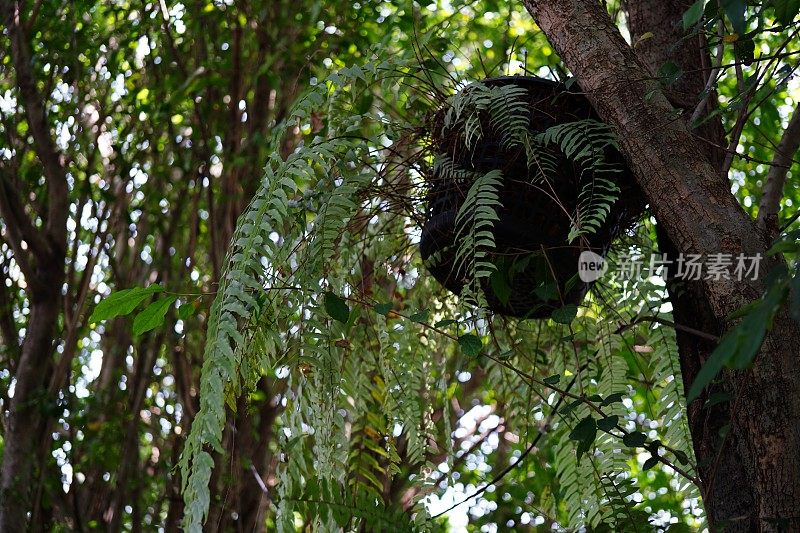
(699, 215)
(690, 306)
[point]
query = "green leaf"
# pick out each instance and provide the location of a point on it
(740, 346)
(445, 323)
(751, 336)
(719, 357)
(566, 314)
(552, 380)
(735, 10)
(185, 311)
(785, 10)
(783, 246)
(789, 243)
(383, 309)
(547, 291)
(585, 433)
(421, 317)
(505, 355)
(613, 398)
(336, 307)
(153, 315)
(669, 73)
(121, 303)
(585, 430)
(608, 423)
(571, 406)
(650, 463)
(634, 439)
(693, 15)
(742, 311)
(470, 344)
(681, 457)
(500, 286)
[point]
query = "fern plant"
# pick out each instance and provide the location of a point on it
(323, 292)
(586, 143)
(505, 109)
(475, 222)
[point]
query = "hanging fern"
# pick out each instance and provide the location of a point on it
(504, 105)
(586, 142)
(474, 231)
(337, 507)
(320, 287)
(506, 110)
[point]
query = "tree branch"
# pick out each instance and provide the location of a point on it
(9, 334)
(58, 191)
(712, 78)
(25, 240)
(776, 177)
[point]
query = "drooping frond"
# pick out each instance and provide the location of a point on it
(474, 223)
(586, 143)
(323, 290)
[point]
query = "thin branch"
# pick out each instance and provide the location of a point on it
(669, 323)
(25, 240)
(504, 472)
(738, 127)
(259, 481)
(9, 334)
(745, 112)
(712, 77)
(767, 219)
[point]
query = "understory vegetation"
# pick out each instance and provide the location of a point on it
(244, 335)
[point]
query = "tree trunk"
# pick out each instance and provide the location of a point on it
(25, 416)
(663, 19)
(751, 478)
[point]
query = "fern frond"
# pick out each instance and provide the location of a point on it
(585, 143)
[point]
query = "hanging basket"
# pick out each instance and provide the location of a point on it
(536, 269)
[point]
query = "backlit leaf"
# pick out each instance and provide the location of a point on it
(153, 315)
(121, 303)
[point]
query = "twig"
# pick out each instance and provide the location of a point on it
(776, 177)
(712, 77)
(504, 472)
(671, 324)
(259, 480)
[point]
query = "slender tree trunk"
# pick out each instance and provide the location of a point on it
(753, 482)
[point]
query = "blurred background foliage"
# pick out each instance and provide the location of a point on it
(161, 112)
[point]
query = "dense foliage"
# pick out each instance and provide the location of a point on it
(248, 337)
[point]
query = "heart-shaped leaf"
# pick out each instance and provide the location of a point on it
(470, 344)
(336, 307)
